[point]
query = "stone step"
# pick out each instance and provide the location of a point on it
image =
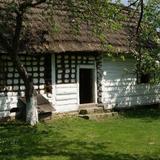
(99, 116)
(91, 110)
(107, 110)
(65, 114)
(87, 105)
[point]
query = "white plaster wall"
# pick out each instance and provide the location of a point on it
(66, 97)
(119, 88)
(7, 102)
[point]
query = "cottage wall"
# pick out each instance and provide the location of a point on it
(64, 80)
(116, 82)
(65, 83)
(119, 87)
(13, 85)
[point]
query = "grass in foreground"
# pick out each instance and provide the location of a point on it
(133, 136)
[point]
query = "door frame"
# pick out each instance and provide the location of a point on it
(94, 81)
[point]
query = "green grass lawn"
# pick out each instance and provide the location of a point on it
(132, 136)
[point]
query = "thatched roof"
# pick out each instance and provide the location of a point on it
(40, 36)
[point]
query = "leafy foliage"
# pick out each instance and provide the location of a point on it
(148, 46)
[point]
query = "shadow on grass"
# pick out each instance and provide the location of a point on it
(145, 113)
(19, 141)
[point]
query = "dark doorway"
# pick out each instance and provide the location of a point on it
(86, 86)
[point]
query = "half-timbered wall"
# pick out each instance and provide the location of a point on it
(99, 62)
(2, 74)
(66, 66)
(67, 88)
(35, 66)
(12, 85)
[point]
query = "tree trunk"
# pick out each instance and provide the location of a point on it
(12, 48)
(31, 103)
(30, 95)
(31, 110)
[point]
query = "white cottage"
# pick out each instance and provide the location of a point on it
(70, 70)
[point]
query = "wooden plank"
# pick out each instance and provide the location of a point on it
(132, 88)
(131, 99)
(66, 102)
(66, 86)
(66, 108)
(4, 114)
(66, 97)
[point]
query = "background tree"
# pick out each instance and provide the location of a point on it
(147, 37)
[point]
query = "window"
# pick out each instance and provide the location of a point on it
(148, 68)
(148, 78)
(144, 78)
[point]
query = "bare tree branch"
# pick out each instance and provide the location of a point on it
(30, 3)
(132, 3)
(19, 20)
(141, 16)
(18, 28)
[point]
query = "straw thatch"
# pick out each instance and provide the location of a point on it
(41, 36)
